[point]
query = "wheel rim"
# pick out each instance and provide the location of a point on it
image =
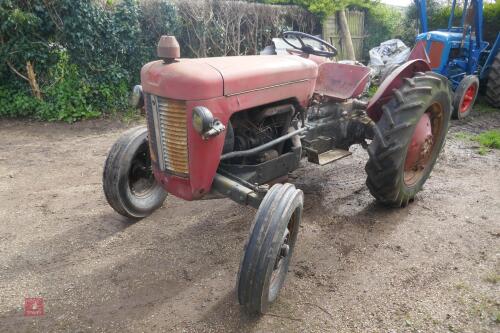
(423, 144)
(468, 98)
(283, 256)
(140, 177)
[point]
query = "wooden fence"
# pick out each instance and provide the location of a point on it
(356, 22)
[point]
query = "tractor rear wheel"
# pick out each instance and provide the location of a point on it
(408, 139)
(128, 181)
(270, 247)
(493, 83)
(465, 96)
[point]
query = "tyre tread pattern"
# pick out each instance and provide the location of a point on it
(493, 84)
(386, 159)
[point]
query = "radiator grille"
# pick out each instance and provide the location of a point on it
(169, 117)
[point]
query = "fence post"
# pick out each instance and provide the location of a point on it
(356, 23)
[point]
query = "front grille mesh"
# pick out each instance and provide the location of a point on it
(171, 134)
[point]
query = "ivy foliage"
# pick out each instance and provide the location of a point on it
(86, 54)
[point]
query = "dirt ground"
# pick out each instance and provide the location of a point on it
(358, 267)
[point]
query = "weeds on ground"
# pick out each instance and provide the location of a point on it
(493, 278)
(487, 140)
(464, 136)
(490, 139)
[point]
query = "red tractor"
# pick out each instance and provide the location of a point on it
(236, 126)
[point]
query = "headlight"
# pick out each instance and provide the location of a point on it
(205, 124)
(137, 97)
(203, 119)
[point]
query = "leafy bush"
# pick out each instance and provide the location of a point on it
(68, 98)
(382, 23)
(86, 54)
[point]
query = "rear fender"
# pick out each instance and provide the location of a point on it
(386, 90)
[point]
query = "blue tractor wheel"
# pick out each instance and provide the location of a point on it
(465, 96)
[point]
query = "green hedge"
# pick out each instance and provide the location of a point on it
(86, 54)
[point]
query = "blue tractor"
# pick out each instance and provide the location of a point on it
(461, 54)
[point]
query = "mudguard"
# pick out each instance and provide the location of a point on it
(394, 81)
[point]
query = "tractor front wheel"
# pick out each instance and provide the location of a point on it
(408, 139)
(128, 181)
(270, 247)
(465, 96)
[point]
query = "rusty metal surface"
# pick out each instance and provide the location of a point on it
(435, 53)
(171, 134)
(341, 81)
(423, 143)
(419, 52)
(328, 156)
(393, 81)
(418, 147)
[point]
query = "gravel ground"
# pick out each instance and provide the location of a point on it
(358, 267)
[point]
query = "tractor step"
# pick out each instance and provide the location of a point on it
(327, 157)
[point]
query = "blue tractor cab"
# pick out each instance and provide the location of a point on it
(461, 54)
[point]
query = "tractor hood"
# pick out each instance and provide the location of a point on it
(205, 78)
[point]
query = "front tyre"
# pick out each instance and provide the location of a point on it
(410, 135)
(270, 247)
(128, 182)
(465, 96)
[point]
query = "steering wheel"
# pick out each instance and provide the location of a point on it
(306, 48)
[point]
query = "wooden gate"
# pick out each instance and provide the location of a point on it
(356, 22)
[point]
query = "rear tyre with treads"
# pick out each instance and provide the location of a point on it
(493, 83)
(411, 133)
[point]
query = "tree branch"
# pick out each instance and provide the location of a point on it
(15, 71)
